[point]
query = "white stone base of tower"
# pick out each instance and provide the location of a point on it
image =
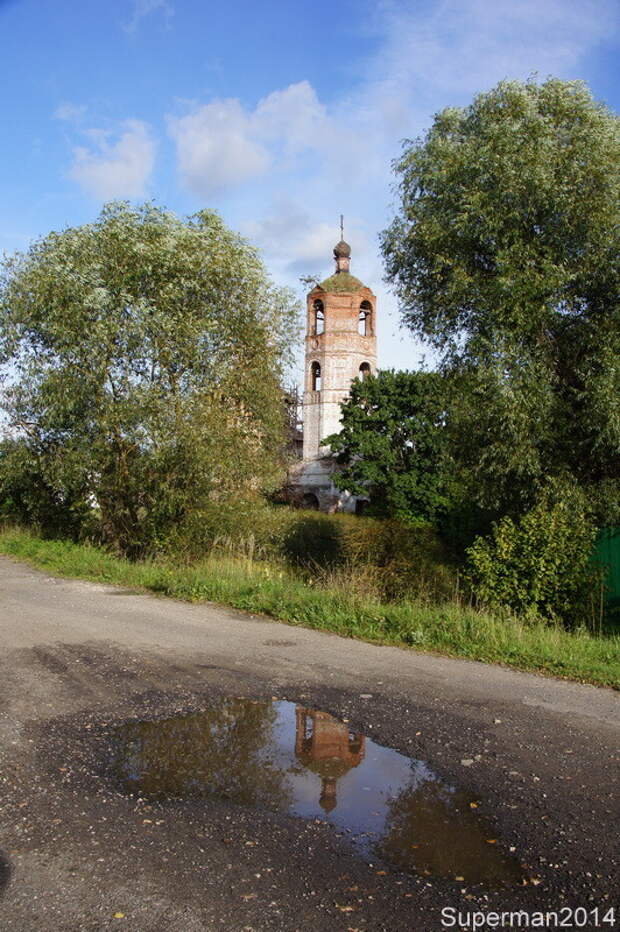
(311, 485)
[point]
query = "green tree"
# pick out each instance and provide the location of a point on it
(392, 444)
(143, 357)
(505, 256)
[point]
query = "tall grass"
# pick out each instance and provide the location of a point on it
(339, 598)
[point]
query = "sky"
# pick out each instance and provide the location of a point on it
(279, 115)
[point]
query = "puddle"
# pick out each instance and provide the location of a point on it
(283, 757)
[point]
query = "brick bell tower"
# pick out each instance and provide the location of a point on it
(341, 345)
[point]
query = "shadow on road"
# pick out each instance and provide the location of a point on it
(5, 873)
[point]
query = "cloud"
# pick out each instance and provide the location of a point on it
(464, 46)
(71, 113)
(217, 148)
(120, 169)
(293, 116)
(143, 8)
(298, 242)
(222, 145)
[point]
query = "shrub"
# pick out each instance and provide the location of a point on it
(389, 558)
(237, 527)
(540, 563)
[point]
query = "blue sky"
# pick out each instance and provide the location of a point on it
(280, 115)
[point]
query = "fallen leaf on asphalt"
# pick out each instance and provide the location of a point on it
(491, 841)
(345, 909)
(473, 805)
(248, 896)
(381, 873)
(119, 915)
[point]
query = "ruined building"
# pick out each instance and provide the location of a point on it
(341, 345)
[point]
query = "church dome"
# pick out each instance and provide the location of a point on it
(342, 249)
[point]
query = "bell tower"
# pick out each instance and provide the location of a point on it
(341, 345)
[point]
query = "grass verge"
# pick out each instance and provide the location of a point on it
(264, 588)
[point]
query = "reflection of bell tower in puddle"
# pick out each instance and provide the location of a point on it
(326, 747)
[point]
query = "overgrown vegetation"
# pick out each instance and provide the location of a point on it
(334, 601)
(143, 357)
(541, 563)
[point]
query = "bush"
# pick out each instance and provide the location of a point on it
(388, 558)
(540, 563)
(240, 527)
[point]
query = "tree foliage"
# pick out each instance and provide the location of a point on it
(540, 564)
(392, 444)
(142, 356)
(505, 256)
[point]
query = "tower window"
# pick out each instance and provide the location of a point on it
(363, 326)
(364, 371)
(319, 316)
(315, 377)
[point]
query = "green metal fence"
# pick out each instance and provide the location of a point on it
(607, 553)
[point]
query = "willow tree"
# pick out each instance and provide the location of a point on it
(505, 257)
(143, 357)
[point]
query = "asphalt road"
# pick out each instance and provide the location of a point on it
(77, 853)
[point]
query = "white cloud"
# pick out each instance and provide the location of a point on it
(297, 240)
(143, 8)
(293, 116)
(71, 113)
(120, 169)
(222, 144)
(217, 148)
(465, 46)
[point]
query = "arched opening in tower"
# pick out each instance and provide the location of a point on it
(319, 317)
(315, 377)
(364, 319)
